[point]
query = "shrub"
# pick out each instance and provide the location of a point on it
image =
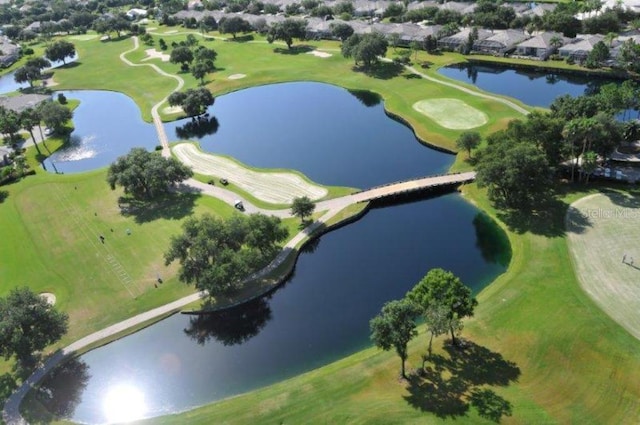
(62, 99)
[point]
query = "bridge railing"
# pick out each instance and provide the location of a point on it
(409, 180)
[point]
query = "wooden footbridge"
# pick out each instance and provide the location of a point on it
(407, 187)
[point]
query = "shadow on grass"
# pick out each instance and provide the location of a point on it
(294, 50)
(626, 198)
(58, 395)
(411, 76)
(174, 206)
(3, 195)
(381, 70)
(241, 38)
(451, 383)
(546, 220)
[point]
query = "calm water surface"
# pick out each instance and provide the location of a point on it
(319, 129)
(107, 125)
(323, 311)
(535, 88)
(320, 315)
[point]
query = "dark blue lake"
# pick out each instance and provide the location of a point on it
(319, 129)
(535, 88)
(322, 313)
(107, 125)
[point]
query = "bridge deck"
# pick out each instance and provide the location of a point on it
(414, 185)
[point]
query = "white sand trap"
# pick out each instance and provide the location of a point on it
(276, 187)
(84, 37)
(451, 113)
(171, 32)
(152, 28)
(172, 110)
(236, 76)
(50, 82)
(602, 230)
(49, 297)
(320, 54)
(155, 54)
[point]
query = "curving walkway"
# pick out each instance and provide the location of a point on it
(157, 121)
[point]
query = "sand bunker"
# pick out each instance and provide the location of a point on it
(171, 32)
(274, 187)
(83, 37)
(451, 113)
(320, 54)
(236, 76)
(155, 54)
(49, 297)
(172, 110)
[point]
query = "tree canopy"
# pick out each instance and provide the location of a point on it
(302, 207)
(216, 255)
(145, 175)
(233, 25)
(60, 50)
(441, 288)
(28, 324)
(468, 140)
(365, 48)
(194, 102)
(287, 30)
(54, 115)
(394, 327)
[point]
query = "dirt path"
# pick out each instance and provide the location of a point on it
(603, 233)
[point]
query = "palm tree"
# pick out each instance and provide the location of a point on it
(29, 118)
(609, 38)
(556, 42)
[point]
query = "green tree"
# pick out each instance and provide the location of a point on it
(200, 69)
(233, 26)
(468, 140)
(182, 55)
(9, 122)
(365, 48)
(54, 115)
(517, 174)
(145, 175)
(438, 320)
(29, 118)
(598, 55)
(394, 327)
(216, 255)
(194, 102)
(589, 164)
(341, 30)
(287, 30)
(60, 50)
(28, 324)
(441, 288)
(302, 207)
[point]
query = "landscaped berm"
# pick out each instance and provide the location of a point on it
(453, 114)
(603, 233)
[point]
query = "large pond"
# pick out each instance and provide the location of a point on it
(323, 311)
(535, 88)
(321, 130)
(107, 125)
(8, 83)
